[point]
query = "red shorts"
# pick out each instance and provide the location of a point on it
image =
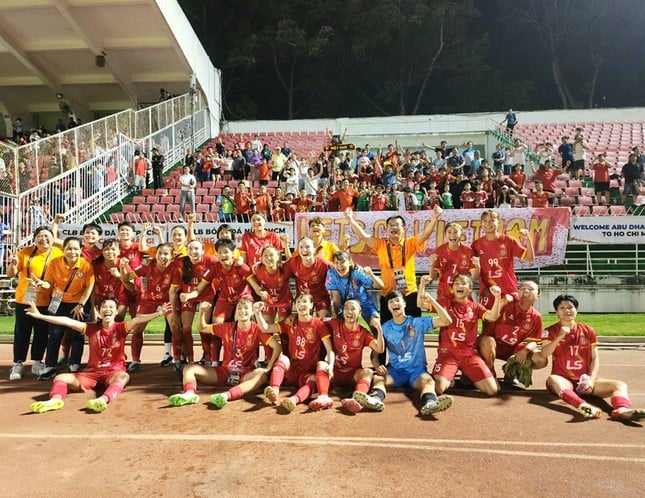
(188, 306)
(224, 309)
(89, 379)
(147, 307)
(504, 351)
(322, 304)
(280, 309)
(345, 378)
(470, 363)
(297, 377)
(223, 373)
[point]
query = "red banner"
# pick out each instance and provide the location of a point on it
(549, 228)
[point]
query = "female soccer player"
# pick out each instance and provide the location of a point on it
(106, 365)
(271, 284)
(574, 371)
(107, 281)
(240, 340)
(253, 242)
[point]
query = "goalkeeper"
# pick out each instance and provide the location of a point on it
(514, 337)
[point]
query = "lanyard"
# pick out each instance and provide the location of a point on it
(389, 255)
(31, 256)
(234, 341)
(71, 279)
(349, 280)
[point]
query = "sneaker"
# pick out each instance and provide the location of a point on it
(322, 402)
(167, 360)
(74, 367)
(37, 367)
(46, 406)
(47, 373)
(440, 404)
(182, 399)
(367, 401)
(62, 362)
(16, 371)
(272, 395)
(351, 405)
(589, 411)
(628, 414)
(219, 400)
(178, 367)
(288, 404)
(202, 361)
(97, 405)
(133, 366)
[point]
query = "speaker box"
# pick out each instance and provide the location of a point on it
(100, 61)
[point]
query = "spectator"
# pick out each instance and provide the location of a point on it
(244, 204)
(225, 205)
(498, 158)
(455, 162)
(566, 152)
(140, 170)
(580, 146)
(601, 179)
(511, 121)
(539, 197)
(157, 168)
(631, 174)
(187, 194)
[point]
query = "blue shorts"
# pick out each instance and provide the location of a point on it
(368, 310)
(405, 378)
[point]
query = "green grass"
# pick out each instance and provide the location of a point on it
(608, 324)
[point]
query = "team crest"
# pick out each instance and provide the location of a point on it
(503, 252)
(356, 343)
(309, 336)
(583, 341)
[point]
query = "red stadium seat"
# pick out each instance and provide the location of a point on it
(617, 211)
(599, 210)
(581, 211)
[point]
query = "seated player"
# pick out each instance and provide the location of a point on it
(302, 335)
(574, 370)
(240, 341)
(106, 365)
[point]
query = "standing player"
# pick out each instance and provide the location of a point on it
(271, 284)
(303, 335)
(106, 365)
(129, 249)
(495, 253)
(450, 259)
(349, 339)
(240, 340)
(457, 340)
(253, 242)
(310, 272)
(574, 371)
(107, 281)
(408, 366)
(516, 332)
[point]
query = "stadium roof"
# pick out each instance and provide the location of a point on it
(99, 56)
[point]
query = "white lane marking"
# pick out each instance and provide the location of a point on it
(393, 443)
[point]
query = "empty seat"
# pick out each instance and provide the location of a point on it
(584, 200)
(581, 211)
(572, 191)
(617, 211)
(599, 210)
(128, 208)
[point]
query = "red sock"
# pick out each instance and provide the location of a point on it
(235, 393)
(190, 387)
(305, 391)
(363, 385)
(136, 345)
(113, 390)
(322, 382)
(59, 389)
(277, 374)
(620, 402)
(176, 347)
(187, 343)
(568, 396)
(206, 345)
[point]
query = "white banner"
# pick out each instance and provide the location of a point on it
(203, 231)
(608, 229)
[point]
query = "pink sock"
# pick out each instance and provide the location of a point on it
(568, 396)
(277, 374)
(112, 391)
(190, 388)
(363, 385)
(235, 393)
(304, 392)
(322, 382)
(59, 390)
(620, 402)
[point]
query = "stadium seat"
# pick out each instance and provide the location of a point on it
(572, 191)
(117, 217)
(147, 191)
(575, 183)
(567, 201)
(599, 210)
(138, 199)
(581, 211)
(584, 200)
(617, 211)
(144, 208)
(587, 191)
(128, 208)
(208, 199)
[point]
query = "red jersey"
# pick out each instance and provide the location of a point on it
(309, 280)
(231, 284)
(539, 199)
(242, 203)
(251, 245)
(518, 179)
(514, 325)
(461, 335)
(276, 284)
(303, 340)
(572, 356)
(155, 286)
(262, 204)
(242, 355)
(345, 198)
(451, 263)
(379, 202)
(480, 198)
(467, 200)
(601, 172)
(135, 258)
(106, 285)
(496, 261)
(92, 252)
(302, 205)
(107, 346)
(349, 344)
(197, 274)
(547, 177)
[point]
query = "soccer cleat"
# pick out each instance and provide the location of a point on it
(367, 401)
(219, 400)
(16, 371)
(167, 360)
(288, 404)
(272, 395)
(178, 367)
(440, 404)
(351, 405)
(589, 411)
(628, 414)
(37, 367)
(322, 402)
(46, 406)
(133, 366)
(74, 367)
(47, 373)
(182, 399)
(97, 405)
